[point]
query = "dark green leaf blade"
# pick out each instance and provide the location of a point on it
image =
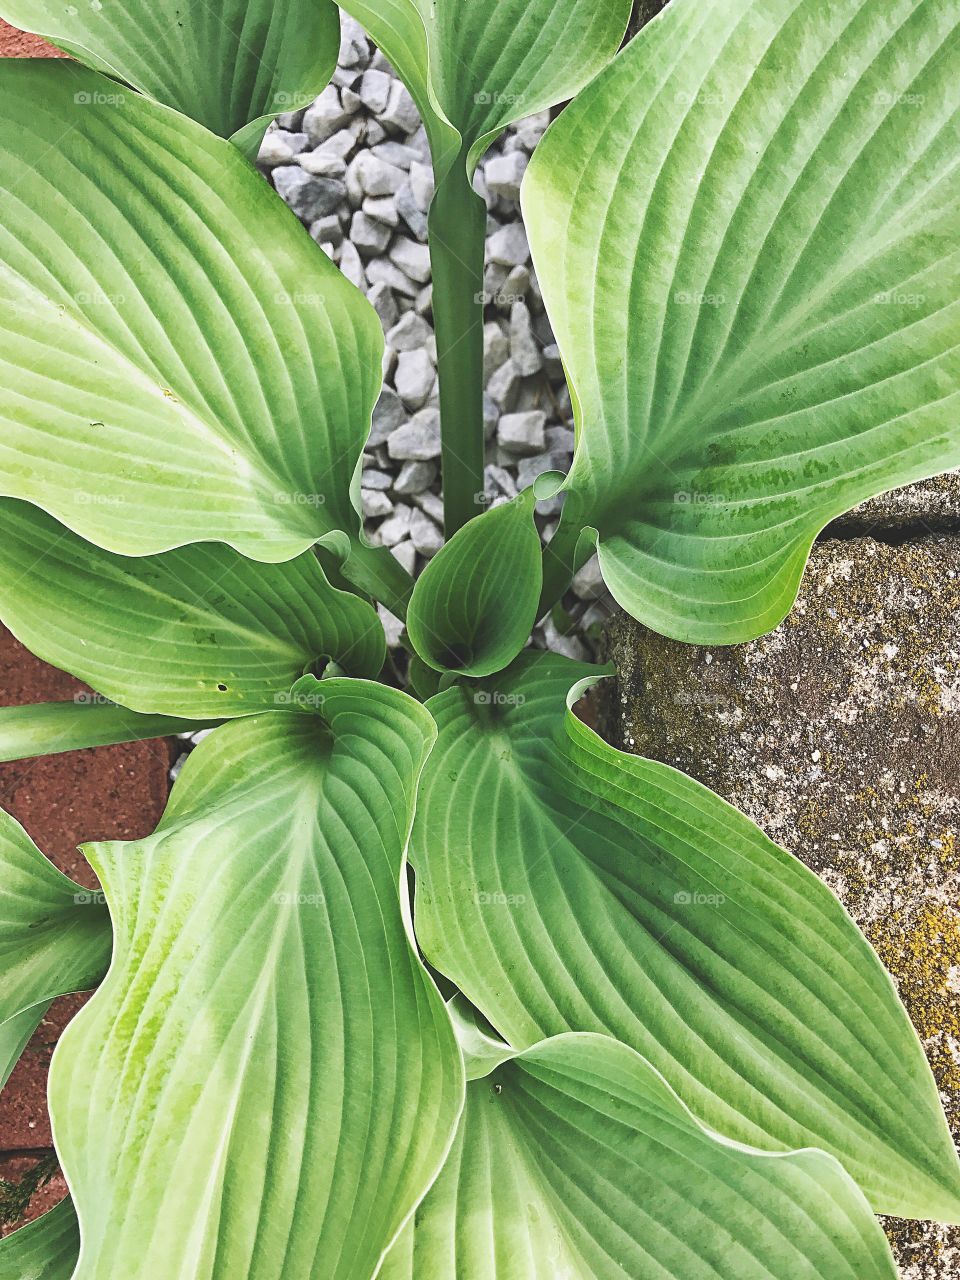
(46, 728)
(226, 65)
(15, 1035)
(200, 631)
(46, 1249)
(55, 939)
(55, 936)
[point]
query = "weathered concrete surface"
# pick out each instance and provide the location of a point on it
(930, 507)
(840, 735)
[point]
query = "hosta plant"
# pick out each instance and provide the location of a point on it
(418, 977)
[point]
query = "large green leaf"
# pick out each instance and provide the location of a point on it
(748, 233)
(228, 64)
(43, 1250)
(576, 1160)
(200, 631)
(46, 728)
(181, 362)
(475, 604)
(564, 885)
(474, 69)
(267, 1082)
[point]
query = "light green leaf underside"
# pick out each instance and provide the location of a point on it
(181, 362)
(566, 886)
(199, 631)
(224, 64)
(43, 1250)
(46, 728)
(55, 939)
(474, 69)
(576, 1160)
(267, 1082)
(475, 604)
(748, 233)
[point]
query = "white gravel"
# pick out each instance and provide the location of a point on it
(355, 168)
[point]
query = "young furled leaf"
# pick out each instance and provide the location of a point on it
(475, 604)
(747, 230)
(473, 70)
(231, 66)
(595, 891)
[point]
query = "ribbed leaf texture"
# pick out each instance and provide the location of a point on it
(199, 631)
(267, 1082)
(227, 65)
(182, 362)
(747, 229)
(566, 886)
(576, 1159)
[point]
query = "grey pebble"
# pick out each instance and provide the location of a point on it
(414, 378)
(588, 582)
(382, 209)
(400, 112)
(374, 176)
(351, 266)
(406, 554)
(424, 534)
(370, 237)
(412, 258)
(375, 503)
(309, 197)
(328, 230)
(325, 117)
(388, 415)
(415, 477)
(523, 433)
(381, 272)
(432, 504)
(373, 478)
(504, 174)
(384, 303)
(422, 185)
(524, 348)
(410, 211)
(504, 385)
(417, 440)
(410, 333)
(374, 91)
(508, 247)
(396, 527)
